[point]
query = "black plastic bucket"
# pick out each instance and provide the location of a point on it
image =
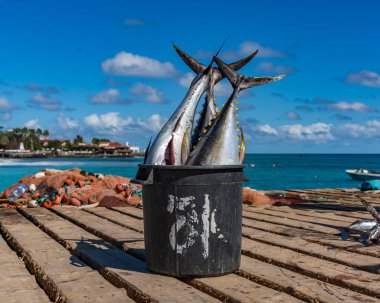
(192, 218)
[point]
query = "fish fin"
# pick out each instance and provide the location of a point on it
(185, 149)
(190, 61)
(178, 121)
(371, 209)
(242, 147)
(228, 72)
(257, 81)
(169, 153)
(147, 150)
(345, 234)
(239, 64)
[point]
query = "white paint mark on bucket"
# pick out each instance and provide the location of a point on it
(206, 226)
(171, 203)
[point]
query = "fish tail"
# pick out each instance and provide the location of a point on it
(190, 61)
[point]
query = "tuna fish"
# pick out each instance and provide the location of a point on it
(369, 230)
(173, 143)
(241, 147)
(219, 144)
(362, 225)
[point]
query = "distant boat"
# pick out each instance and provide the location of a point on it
(361, 174)
(251, 164)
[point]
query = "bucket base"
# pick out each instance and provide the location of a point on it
(192, 275)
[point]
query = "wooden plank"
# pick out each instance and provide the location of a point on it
(354, 212)
(339, 196)
(116, 266)
(305, 212)
(240, 290)
(335, 242)
(331, 241)
(327, 271)
(118, 218)
(64, 277)
(230, 286)
(132, 211)
(249, 217)
(323, 291)
(17, 285)
(296, 217)
(300, 286)
(363, 262)
(122, 237)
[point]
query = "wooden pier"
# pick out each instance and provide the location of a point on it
(290, 253)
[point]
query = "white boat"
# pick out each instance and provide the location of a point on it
(361, 174)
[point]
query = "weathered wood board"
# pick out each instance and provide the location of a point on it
(290, 253)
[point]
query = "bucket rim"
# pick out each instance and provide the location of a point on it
(192, 167)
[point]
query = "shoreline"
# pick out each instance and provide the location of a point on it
(51, 156)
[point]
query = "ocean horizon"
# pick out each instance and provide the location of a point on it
(270, 171)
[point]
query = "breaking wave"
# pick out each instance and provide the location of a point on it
(23, 162)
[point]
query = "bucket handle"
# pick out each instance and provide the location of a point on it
(148, 181)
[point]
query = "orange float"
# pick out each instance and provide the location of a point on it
(47, 204)
(57, 200)
(4, 195)
(68, 182)
(79, 183)
(92, 200)
(36, 195)
(119, 188)
(66, 199)
(75, 202)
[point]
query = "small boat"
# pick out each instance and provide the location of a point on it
(361, 174)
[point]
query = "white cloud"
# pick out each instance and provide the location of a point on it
(292, 116)
(32, 123)
(351, 107)
(148, 93)
(318, 132)
(113, 124)
(266, 129)
(45, 102)
(5, 105)
(107, 96)
(6, 116)
(269, 67)
(365, 78)
(369, 129)
(128, 64)
(66, 123)
(110, 123)
(186, 79)
(153, 123)
(248, 47)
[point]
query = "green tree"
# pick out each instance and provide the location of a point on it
(78, 139)
(46, 133)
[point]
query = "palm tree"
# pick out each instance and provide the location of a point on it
(46, 133)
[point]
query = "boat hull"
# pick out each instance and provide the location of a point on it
(362, 176)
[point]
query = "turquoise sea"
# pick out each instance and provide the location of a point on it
(270, 171)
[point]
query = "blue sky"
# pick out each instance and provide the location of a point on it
(108, 69)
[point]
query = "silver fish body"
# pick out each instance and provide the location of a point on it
(220, 145)
(173, 143)
(374, 236)
(362, 225)
(179, 126)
